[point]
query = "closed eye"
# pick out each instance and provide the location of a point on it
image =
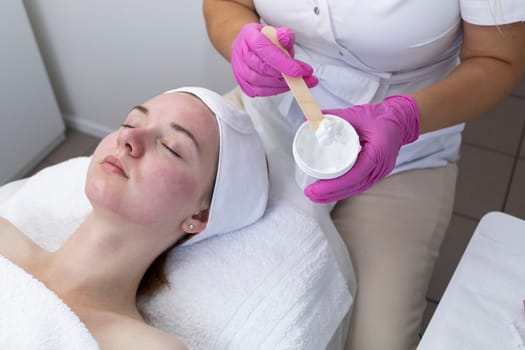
(172, 151)
(127, 126)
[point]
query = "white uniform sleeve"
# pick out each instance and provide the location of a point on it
(492, 12)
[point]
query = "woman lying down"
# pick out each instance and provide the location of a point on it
(184, 166)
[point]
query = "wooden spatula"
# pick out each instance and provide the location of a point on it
(298, 87)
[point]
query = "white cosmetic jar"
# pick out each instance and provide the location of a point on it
(315, 161)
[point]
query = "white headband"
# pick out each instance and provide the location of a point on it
(241, 187)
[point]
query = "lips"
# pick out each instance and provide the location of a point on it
(113, 165)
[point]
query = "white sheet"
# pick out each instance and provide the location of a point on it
(485, 295)
(284, 283)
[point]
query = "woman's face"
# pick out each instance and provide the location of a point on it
(158, 169)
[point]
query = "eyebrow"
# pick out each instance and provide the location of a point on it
(141, 108)
(174, 126)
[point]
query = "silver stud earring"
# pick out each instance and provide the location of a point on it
(191, 226)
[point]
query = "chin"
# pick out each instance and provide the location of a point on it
(108, 197)
(101, 195)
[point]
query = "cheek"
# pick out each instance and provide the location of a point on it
(107, 144)
(166, 193)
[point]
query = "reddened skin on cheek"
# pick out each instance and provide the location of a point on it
(164, 195)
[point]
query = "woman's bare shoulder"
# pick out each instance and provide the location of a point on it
(116, 331)
(133, 334)
(14, 244)
(161, 340)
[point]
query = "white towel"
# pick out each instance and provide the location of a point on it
(33, 317)
(49, 205)
(273, 285)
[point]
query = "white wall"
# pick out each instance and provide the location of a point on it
(30, 120)
(104, 56)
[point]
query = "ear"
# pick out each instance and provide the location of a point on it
(196, 223)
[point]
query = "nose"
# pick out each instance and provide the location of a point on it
(133, 140)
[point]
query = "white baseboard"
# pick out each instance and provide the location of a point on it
(87, 127)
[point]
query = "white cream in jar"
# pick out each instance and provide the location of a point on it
(328, 153)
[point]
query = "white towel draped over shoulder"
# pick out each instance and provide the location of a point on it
(33, 317)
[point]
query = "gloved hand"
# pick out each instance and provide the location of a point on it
(382, 128)
(257, 63)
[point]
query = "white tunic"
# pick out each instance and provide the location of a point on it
(364, 51)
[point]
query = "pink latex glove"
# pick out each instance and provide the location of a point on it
(382, 128)
(257, 63)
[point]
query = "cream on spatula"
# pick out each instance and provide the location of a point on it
(299, 89)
